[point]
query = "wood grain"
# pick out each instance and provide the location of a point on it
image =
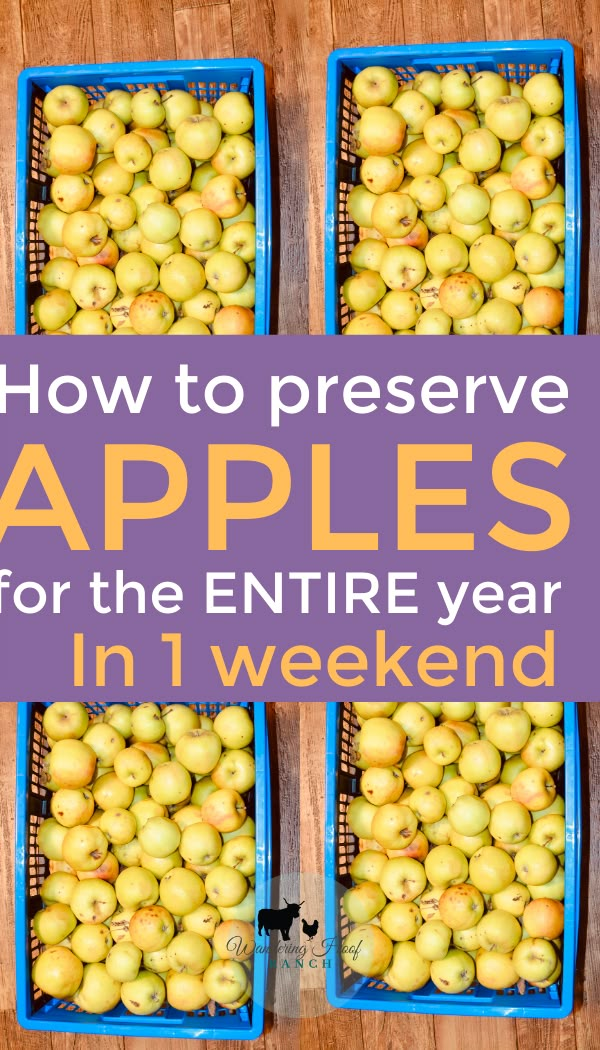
(11, 63)
(204, 32)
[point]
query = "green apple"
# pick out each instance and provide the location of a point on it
(145, 994)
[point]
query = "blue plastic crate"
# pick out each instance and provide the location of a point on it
(349, 990)
(514, 59)
(205, 79)
(38, 1011)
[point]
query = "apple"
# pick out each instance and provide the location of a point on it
(534, 959)
(225, 196)
(159, 222)
(360, 815)
(54, 923)
(235, 769)
(534, 788)
(409, 971)
(57, 972)
(147, 109)
(200, 844)
(415, 720)
(428, 804)
(170, 784)
(510, 822)
(224, 886)
(401, 920)
(545, 748)
(545, 137)
(534, 176)
(72, 193)
(491, 870)
(190, 814)
(363, 902)
(234, 939)
(106, 127)
(91, 943)
(362, 291)
(466, 120)
(182, 277)
(244, 911)
(469, 203)
(202, 306)
(470, 844)
(177, 106)
(499, 931)
(235, 155)
(429, 83)
(58, 273)
(366, 950)
(479, 762)
(432, 940)
(123, 961)
(132, 765)
(145, 994)
(469, 815)
(479, 150)
(234, 112)
(544, 306)
(544, 94)
(542, 714)
(110, 792)
(442, 133)
(234, 320)
(439, 833)
(50, 838)
(456, 89)
(508, 729)
(159, 866)
(441, 744)
(455, 788)
(375, 86)
(65, 104)
(419, 769)
(108, 870)
(513, 288)
(461, 906)
(544, 918)
(84, 847)
(93, 901)
(156, 962)
(182, 890)
(393, 825)
(446, 254)
(549, 831)
(553, 890)
(381, 785)
(453, 974)
(109, 177)
(382, 742)
(71, 149)
(136, 888)
(495, 970)
(159, 837)
(510, 211)
(151, 928)
(365, 324)
(151, 313)
(381, 174)
(72, 806)
(58, 887)
(535, 253)
(185, 991)
(535, 865)
(508, 117)
(420, 159)
(514, 899)
(446, 866)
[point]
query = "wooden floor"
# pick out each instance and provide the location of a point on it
(293, 39)
(297, 733)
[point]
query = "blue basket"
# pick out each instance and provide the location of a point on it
(514, 59)
(38, 1011)
(349, 990)
(207, 80)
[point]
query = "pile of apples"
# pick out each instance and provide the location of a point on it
(460, 871)
(461, 217)
(150, 894)
(150, 230)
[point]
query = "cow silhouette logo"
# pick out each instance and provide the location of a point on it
(310, 929)
(281, 919)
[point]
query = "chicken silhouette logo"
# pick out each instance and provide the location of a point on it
(281, 919)
(310, 929)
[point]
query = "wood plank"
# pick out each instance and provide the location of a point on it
(400, 1032)
(50, 39)
(368, 23)
(519, 20)
(198, 5)
(134, 31)
(428, 23)
(460, 1033)
(320, 34)
(203, 32)
(587, 1012)
(11, 61)
(7, 790)
(276, 33)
